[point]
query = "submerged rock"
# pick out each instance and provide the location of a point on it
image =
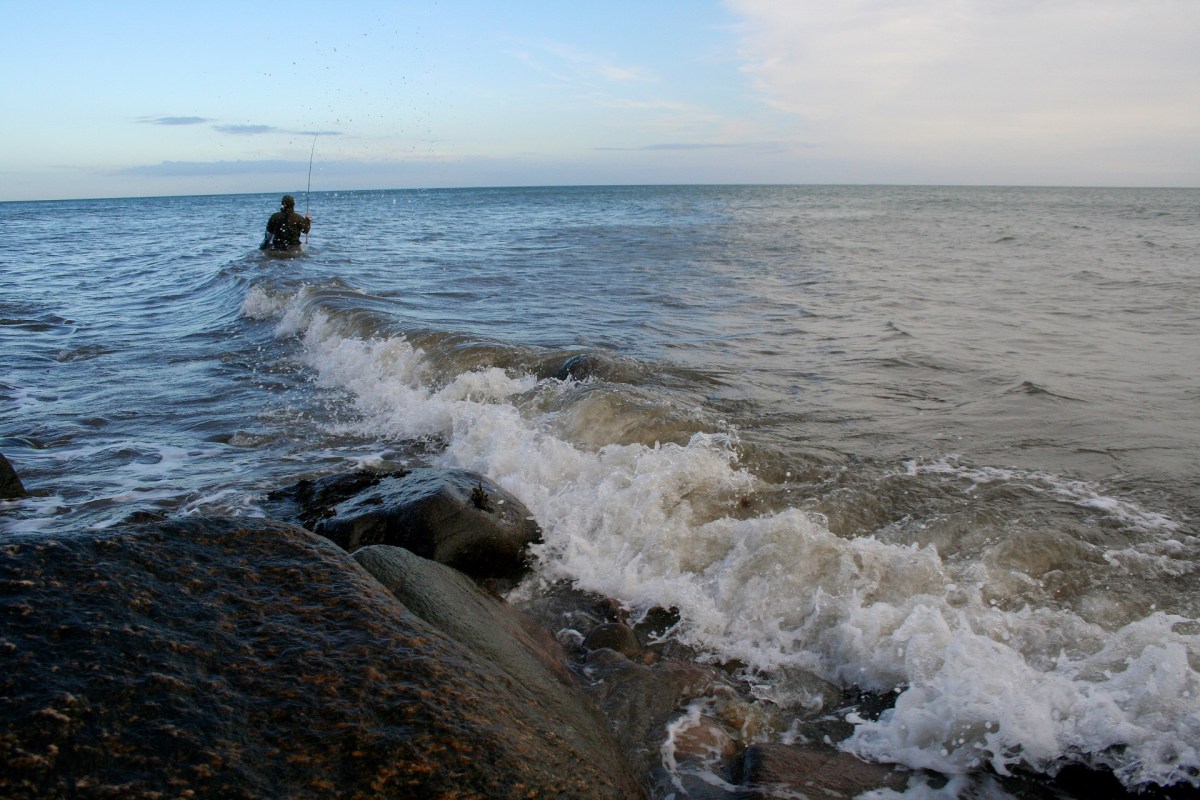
(455, 517)
(781, 770)
(310, 501)
(601, 366)
(640, 700)
(584, 365)
(236, 659)
(11, 487)
(615, 636)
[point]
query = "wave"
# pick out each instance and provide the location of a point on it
(1033, 389)
(1085, 494)
(644, 499)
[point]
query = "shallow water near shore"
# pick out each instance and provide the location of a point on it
(936, 444)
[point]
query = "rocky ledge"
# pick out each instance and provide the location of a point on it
(237, 659)
(261, 658)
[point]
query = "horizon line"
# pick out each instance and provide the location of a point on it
(848, 184)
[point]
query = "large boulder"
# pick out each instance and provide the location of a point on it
(484, 621)
(455, 517)
(503, 636)
(244, 658)
(10, 484)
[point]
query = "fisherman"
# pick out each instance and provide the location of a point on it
(285, 226)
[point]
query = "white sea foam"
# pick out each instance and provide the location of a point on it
(980, 686)
(959, 786)
(45, 508)
(23, 399)
(1074, 492)
(260, 304)
(707, 767)
(1163, 547)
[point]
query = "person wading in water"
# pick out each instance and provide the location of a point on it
(285, 226)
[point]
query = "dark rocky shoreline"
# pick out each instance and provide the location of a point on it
(356, 645)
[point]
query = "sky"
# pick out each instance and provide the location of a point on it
(128, 98)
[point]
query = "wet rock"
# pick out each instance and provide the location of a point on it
(455, 517)
(615, 636)
(568, 612)
(771, 770)
(216, 658)
(1080, 781)
(310, 501)
(640, 700)
(699, 753)
(10, 484)
(584, 365)
(601, 366)
(458, 607)
(703, 739)
(504, 636)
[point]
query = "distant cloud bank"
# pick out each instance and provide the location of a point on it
(176, 120)
(696, 146)
(246, 130)
(234, 129)
(176, 169)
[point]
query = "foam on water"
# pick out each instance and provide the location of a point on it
(44, 508)
(848, 335)
(1161, 547)
(958, 786)
(260, 304)
(979, 685)
(1079, 493)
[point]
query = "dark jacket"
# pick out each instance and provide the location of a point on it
(285, 227)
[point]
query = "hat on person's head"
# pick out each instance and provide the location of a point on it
(289, 201)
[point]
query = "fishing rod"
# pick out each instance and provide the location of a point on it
(308, 189)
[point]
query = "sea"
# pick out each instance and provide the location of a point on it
(939, 445)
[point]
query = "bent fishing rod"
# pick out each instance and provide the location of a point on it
(308, 189)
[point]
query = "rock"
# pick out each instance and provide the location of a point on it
(10, 484)
(454, 517)
(217, 658)
(699, 754)
(705, 738)
(615, 636)
(601, 366)
(642, 699)
(455, 605)
(310, 501)
(503, 636)
(584, 365)
(1079, 780)
(809, 771)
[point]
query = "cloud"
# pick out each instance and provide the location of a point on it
(235, 129)
(247, 130)
(955, 84)
(174, 120)
(570, 64)
(179, 169)
(630, 104)
(696, 146)
(255, 130)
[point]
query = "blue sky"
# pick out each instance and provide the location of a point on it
(164, 98)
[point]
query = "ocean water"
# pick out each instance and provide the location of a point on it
(941, 444)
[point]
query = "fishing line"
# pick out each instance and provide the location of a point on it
(308, 189)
